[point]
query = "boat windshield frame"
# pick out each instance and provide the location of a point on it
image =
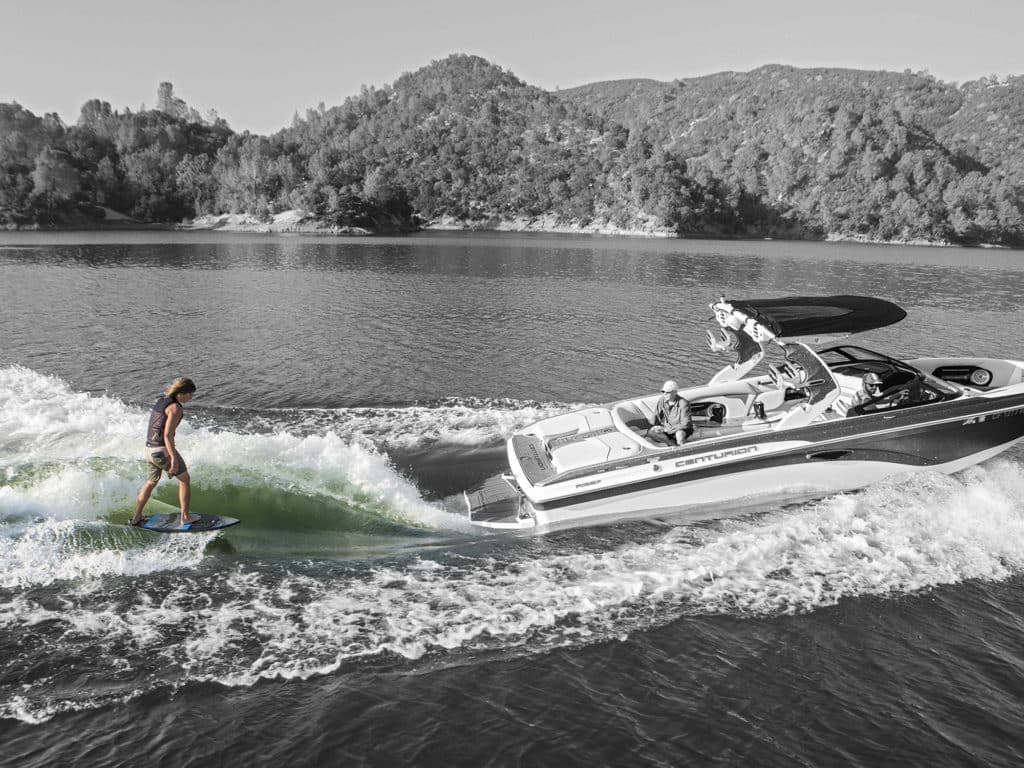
(855, 357)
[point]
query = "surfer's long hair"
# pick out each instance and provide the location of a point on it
(180, 385)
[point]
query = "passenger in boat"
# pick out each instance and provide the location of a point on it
(671, 423)
(870, 388)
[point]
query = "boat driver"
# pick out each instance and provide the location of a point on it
(870, 388)
(671, 423)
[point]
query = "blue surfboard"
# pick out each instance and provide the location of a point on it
(170, 523)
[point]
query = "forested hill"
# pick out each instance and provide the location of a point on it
(774, 152)
(841, 151)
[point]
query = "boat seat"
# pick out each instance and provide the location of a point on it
(592, 450)
(848, 387)
(576, 423)
(646, 409)
(841, 405)
(636, 414)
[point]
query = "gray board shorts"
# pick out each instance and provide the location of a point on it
(157, 463)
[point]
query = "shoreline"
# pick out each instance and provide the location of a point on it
(294, 222)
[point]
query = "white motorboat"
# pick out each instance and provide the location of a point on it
(794, 430)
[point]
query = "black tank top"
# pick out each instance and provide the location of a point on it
(157, 422)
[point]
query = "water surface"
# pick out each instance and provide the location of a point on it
(345, 387)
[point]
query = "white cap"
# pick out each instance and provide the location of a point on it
(669, 386)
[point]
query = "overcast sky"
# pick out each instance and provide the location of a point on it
(257, 62)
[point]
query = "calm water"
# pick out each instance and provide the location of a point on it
(345, 388)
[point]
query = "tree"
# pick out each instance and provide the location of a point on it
(55, 180)
(196, 183)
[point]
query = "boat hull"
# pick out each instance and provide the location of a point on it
(814, 461)
(710, 497)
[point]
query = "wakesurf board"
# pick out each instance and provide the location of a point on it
(170, 522)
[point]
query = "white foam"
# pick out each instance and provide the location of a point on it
(73, 491)
(50, 550)
(68, 455)
(43, 420)
(457, 421)
(34, 712)
(894, 539)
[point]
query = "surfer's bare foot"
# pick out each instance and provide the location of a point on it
(135, 521)
(190, 519)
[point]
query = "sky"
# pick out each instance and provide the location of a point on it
(258, 62)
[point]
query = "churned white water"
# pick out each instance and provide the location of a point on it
(69, 576)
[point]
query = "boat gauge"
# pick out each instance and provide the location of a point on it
(981, 377)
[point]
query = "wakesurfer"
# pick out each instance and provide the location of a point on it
(161, 453)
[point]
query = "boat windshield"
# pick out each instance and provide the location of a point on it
(856, 361)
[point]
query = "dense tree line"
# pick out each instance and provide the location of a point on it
(826, 151)
(777, 151)
(141, 164)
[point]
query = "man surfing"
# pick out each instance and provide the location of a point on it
(161, 454)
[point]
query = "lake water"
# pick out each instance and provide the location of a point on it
(346, 386)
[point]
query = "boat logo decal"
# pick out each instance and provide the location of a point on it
(708, 457)
(993, 416)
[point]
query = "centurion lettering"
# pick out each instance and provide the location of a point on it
(710, 457)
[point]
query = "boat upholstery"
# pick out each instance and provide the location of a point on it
(573, 424)
(593, 449)
(848, 387)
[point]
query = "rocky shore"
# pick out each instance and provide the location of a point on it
(303, 222)
(294, 221)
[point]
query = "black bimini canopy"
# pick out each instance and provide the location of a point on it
(821, 315)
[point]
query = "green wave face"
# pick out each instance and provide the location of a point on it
(291, 524)
(276, 521)
(302, 487)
